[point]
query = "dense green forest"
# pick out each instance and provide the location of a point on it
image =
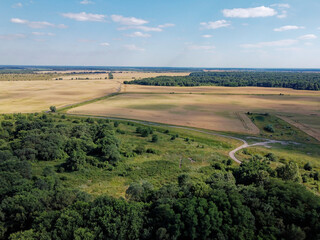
(252, 201)
(299, 81)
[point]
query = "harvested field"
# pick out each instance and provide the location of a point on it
(210, 111)
(219, 90)
(27, 93)
(35, 96)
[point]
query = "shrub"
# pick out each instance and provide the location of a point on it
(154, 138)
(53, 108)
(269, 128)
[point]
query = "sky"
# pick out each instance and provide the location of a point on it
(161, 33)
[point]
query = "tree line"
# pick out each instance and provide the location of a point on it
(298, 81)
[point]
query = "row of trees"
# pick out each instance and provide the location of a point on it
(299, 81)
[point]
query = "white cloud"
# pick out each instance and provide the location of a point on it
(166, 25)
(281, 5)
(215, 25)
(130, 21)
(142, 28)
(83, 16)
(105, 44)
(12, 36)
(201, 47)
(288, 27)
(139, 34)
(308, 37)
(18, 20)
(36, 24)
(17, 5)
(207, 36)
(85, 2)
(133, 47)
(280, 43)
(249, 12)
(283, 14)
(43, 34)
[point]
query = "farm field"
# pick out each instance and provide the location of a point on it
(35, 96)
(25, 94)
(214, 108)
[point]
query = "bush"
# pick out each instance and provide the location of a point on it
(53, 108)
(269, 128)
(307, 167)
(154, 138)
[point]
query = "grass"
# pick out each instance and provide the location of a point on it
(301, 154)
(196, 151)
(281, 129)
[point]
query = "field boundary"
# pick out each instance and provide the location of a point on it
(74, 105)
(308, 130)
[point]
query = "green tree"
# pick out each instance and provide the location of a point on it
(53, 109)
(290, 172)
(76, 160)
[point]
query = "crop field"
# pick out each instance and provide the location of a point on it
(214, 108)
(35, 96)
(27, 93)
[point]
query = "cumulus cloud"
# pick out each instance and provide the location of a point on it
(207, 36)
(17, 5)
(288, 27)
(130, 21)
(133, 47)
(215, 25)
(83, 16)
(12, 36)
(105, 44)
(201, 47)
(85, 2)
(139, 34)
(37, 24)
(249, 12)
(280, 43)
(308, 37)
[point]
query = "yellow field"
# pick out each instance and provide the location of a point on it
(35, 96)
(215, 108)
(27, 94)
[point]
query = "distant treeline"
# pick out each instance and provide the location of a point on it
(299, 81)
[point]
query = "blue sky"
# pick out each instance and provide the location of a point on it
(173, 33)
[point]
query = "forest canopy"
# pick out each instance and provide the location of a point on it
(298, 81)
(250, 201)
